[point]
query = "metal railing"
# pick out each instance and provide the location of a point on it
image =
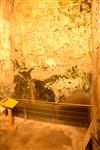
(64, 113)
(96, 142)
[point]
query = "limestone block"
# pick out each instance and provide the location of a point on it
(4, 33)
(52, 3)
(4, 54)
(4, 23)
(5, 43)
(41, 3)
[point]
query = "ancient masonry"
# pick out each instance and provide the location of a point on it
(44, 35)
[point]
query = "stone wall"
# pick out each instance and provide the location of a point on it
(49, 36)
(6, 70)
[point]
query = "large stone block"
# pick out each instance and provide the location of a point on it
(4, 54)
(41, 3)
(52, 3)
(5, 43)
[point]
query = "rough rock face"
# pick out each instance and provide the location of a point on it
(42, 92)
(47, 35)
(6, 70)
(44, 36)
(71, 87)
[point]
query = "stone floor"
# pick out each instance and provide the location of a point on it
(35, 135)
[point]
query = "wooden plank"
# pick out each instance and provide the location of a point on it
(87, 136)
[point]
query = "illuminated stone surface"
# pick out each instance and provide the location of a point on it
(6, 72)
(38, 34)
(43, 31)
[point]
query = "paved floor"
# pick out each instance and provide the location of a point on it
(35, 135)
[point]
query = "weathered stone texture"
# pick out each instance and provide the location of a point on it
(44, 35)
(6, 72)
(45, 31)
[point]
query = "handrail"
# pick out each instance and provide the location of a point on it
(45, 102)
(96, 142)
